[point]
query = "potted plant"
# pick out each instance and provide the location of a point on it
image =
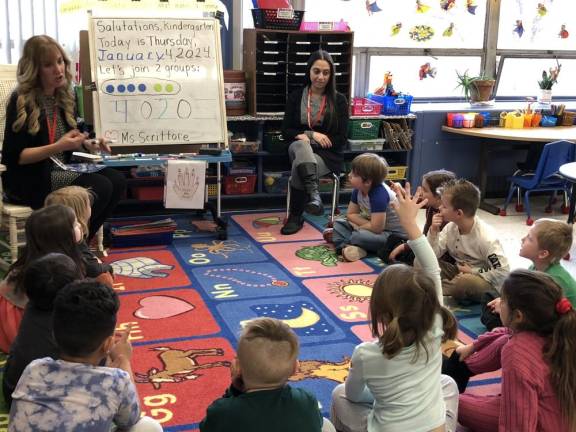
(477, 89)
(546, 83)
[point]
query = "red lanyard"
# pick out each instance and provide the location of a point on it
(51, 128)
(320, 112)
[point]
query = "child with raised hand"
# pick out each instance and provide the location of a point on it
(259, 398)
(394, 382)
(43, 279)
(538, 360)
(369, 220)
(51, 229)
(396, 249)
(547, 241)
(74, 392)
(80, 200)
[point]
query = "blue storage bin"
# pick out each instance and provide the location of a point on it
(393, 105)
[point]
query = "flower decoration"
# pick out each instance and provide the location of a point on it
(421, 33)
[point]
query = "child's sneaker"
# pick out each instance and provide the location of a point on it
(327, 234)
(353, 253)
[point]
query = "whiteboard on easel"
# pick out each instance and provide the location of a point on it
(158, 81)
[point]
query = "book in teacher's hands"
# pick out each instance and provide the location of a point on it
(86, 157)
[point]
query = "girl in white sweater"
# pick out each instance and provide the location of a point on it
(394, 382)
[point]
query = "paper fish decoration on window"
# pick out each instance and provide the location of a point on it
(447, 4)
(449, 30)
(372, 7)
(542, 9)
(519, 28)
(421, 7)
(471, 7)
(396, 29)
(563, 32)
(426, 70)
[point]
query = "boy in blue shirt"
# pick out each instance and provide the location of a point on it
(369, 220)
(75, 392)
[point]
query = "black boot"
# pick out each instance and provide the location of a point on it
(457, 369)
(295, 220)
(309, 175)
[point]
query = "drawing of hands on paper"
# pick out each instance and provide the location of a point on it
(187, 183)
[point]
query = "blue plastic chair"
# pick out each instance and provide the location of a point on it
(545, 178)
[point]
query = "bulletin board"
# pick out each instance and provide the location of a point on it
(157, 81)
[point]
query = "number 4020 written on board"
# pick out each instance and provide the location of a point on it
(143, 110)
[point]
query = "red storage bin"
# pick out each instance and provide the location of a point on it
(239, 184)
(365, 107)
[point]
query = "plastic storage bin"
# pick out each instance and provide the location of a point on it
(277, 19)
(239, 184)
(365, 107)
(393, 105)
(154, 191)
(363, 129)
(276, 182)
(243, 146)
(375, 144)
(396, 173)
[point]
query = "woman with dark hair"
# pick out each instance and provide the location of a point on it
(316, 122)
(41, 132)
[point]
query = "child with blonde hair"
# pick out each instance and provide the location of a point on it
(259, 399)
(394, 382)
(545, 244)
(79, 199)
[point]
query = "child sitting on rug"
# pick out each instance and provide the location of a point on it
(51, 229)
(259, 398)
(43, 279)
(394, 382)
(74, 392)
(80, 200)
(545, 244)
(369, 219)
(536, 354)
(396, 248)
(480, 262)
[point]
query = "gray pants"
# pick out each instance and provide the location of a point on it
(345, 234)
(349, 416)
(301, 152)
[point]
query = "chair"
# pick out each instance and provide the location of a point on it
(12, 216)
(545, 178)
(335, 198)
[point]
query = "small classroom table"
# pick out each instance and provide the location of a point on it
(491, 134)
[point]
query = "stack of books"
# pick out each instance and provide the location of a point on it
(144, 232)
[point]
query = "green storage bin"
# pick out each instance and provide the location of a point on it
(363, 129)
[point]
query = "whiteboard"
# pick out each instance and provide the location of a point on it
(158, 81)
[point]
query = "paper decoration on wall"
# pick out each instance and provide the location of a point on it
(447, 4)
(519, 28)
(449, 30)
(372, 6)
(421, 7)
(471, 6)
(421, 33)
(396, 29)
(542, 9)
(426, 70)
(563, 32)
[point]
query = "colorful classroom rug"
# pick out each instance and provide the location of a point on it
(185, 304)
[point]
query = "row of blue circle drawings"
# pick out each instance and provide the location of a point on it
(131, 88)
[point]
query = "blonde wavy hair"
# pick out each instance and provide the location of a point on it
(37, 50)
(78, 199)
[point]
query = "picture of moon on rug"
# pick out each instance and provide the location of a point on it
(302, 317)
(140, 268)
(162, 306)
(356, 290)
